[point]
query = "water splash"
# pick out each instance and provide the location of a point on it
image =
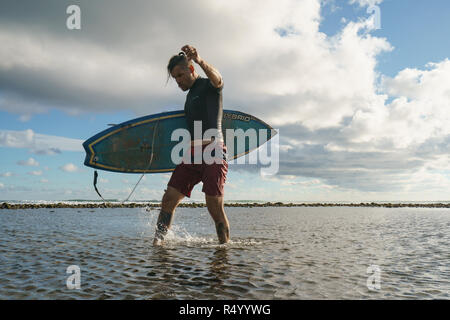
(178, 234)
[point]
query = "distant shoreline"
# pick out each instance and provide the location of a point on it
(15, 206)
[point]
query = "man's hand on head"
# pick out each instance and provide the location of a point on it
(191, 53)
(212, 74)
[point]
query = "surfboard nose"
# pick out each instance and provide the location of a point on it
(273, 132)
(88, 153)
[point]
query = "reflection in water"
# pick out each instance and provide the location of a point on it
(178, 269)
(219, 265)
(163, 270)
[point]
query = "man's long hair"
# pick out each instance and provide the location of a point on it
(179, 59)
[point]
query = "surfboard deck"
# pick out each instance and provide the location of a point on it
(127, 147)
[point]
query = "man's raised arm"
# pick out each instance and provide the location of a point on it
(211, 72)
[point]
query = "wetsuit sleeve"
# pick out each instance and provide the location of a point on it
(214, 109)
(211, 87)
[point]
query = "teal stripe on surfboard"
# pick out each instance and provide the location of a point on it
(127, 147)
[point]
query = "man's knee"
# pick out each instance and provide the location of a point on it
(166, 197)
(168, 202)
(170, 199)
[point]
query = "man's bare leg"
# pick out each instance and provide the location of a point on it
(170, 201)
(217, 212)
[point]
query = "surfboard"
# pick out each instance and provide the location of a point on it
(127, 147)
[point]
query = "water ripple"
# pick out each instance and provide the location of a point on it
(275, 253)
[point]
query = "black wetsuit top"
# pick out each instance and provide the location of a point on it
(204, 103)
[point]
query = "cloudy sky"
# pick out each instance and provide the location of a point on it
(359, 91)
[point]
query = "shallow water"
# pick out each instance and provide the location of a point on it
(275, 253)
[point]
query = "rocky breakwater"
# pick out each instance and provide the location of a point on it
(15, 206)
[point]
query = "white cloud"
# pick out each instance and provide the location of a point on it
(301, 73)
(418, 113)
(70, 80)
(38, 143)
(35, 173)
(43, 181)
(2, 185)
(69, 167)
(6, 174)
(364, 3)
(16, 139)
(30, 162)
(25, 117)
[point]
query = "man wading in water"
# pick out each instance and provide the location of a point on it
(203, 103)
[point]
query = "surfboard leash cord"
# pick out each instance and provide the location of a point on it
(145, 171)
(149, 163)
